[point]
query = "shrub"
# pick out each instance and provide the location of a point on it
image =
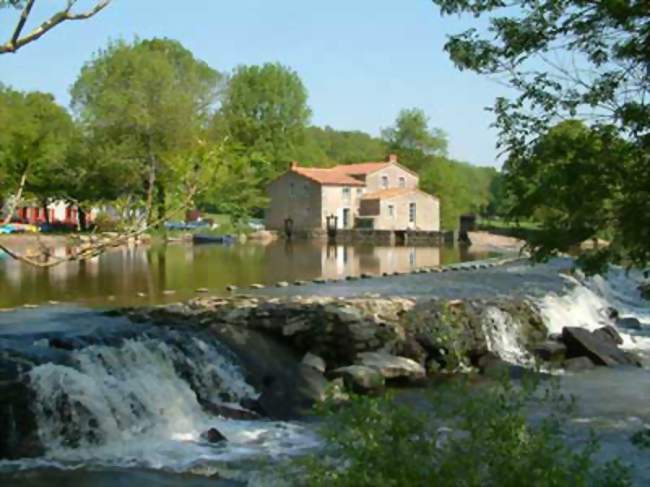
(462, 437)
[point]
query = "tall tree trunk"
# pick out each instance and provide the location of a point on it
(81, 217)
(162, 209)
(44, 203)
(18, 196)
(151, 186)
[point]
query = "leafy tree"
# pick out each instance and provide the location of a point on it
(36, 136)
(142, 104)
(572, 59)
(18, 39)
(413, 140)
(325, 147)
(265, 110)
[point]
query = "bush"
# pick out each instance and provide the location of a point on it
(462, 437)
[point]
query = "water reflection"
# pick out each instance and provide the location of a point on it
(147, 275)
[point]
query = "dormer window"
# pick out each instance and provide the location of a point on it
(384, 182)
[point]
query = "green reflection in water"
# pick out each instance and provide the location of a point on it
(150, 275)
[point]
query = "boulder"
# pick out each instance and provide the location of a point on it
(493, 366)
(644, 289)
(582, 343)
(213, 435)
(578, 364)
(392, 366)
(608, 333)
(550, 350)
(629, 323)
(315, 362)
(360, 378)
(18, 427)
(231, 412)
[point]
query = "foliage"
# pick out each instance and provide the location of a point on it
(570, 182)
(460, 437)
(264, 110)
(36, 137)
(572, 59)
(141, 105)
(326, 147)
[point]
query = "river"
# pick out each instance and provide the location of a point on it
(131, 276)
(144, 406)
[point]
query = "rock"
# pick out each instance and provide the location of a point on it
(493, 366)
(612, 313)
(282, 284)
(608, 333)
(169, 292)
(578, 364)
(231, 412)
(644, 289)
(320, 280)
(201, 290)
(392, 366)
(315, 362)
(231, 288)
(550, 351)
(257, 286)
(365, 275)
(582, 343)
(300, 283)
(629, 323)
(18, 427)
(286, 401)
(213, 435)
(351, 278)
(360, 378)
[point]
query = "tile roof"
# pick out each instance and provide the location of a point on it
(362, 168)
(329, 176)
(389, 193)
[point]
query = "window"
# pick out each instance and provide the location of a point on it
(292, 190)
(412, 213)
(384, 182)
(402, 182)
(359, 192)
(346, 195)
(391, 211)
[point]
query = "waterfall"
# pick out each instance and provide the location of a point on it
(503, 336)
(138, 403)
(588, 301)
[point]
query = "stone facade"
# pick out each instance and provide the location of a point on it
(375, 195)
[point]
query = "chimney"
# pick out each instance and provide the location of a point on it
(392, 157)
(294, 164)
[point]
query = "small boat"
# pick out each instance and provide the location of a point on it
(213, 239)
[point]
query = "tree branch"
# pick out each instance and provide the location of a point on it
(16, 42)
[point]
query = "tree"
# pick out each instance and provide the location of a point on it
(413, 140)
(36, 137)
(265, 111)
(18, 39)
(142, 104)
(324, 147)
(570, 59)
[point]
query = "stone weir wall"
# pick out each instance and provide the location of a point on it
(366, 342)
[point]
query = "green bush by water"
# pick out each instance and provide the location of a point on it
(481, 436)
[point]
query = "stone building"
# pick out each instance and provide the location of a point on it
(369, 195)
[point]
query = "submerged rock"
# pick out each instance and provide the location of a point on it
(550, 350)
(213, 435)
(578, 364)
(361, 378)
(629, 323)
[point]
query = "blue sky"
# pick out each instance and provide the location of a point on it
(361, 60)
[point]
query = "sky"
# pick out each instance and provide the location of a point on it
(360, 60)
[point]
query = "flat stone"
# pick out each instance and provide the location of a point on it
(300, 283)
(320, 280)
(360, 378)
(582, 343)
(231, 288)
(314, 361)
(392, 366)
(282, 284)
(201, 290)
(257, 286)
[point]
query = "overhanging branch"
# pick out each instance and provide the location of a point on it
(16, 41)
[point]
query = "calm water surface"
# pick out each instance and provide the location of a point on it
(148, 275)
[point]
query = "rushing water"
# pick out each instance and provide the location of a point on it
(125, 406)
(147, 275)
